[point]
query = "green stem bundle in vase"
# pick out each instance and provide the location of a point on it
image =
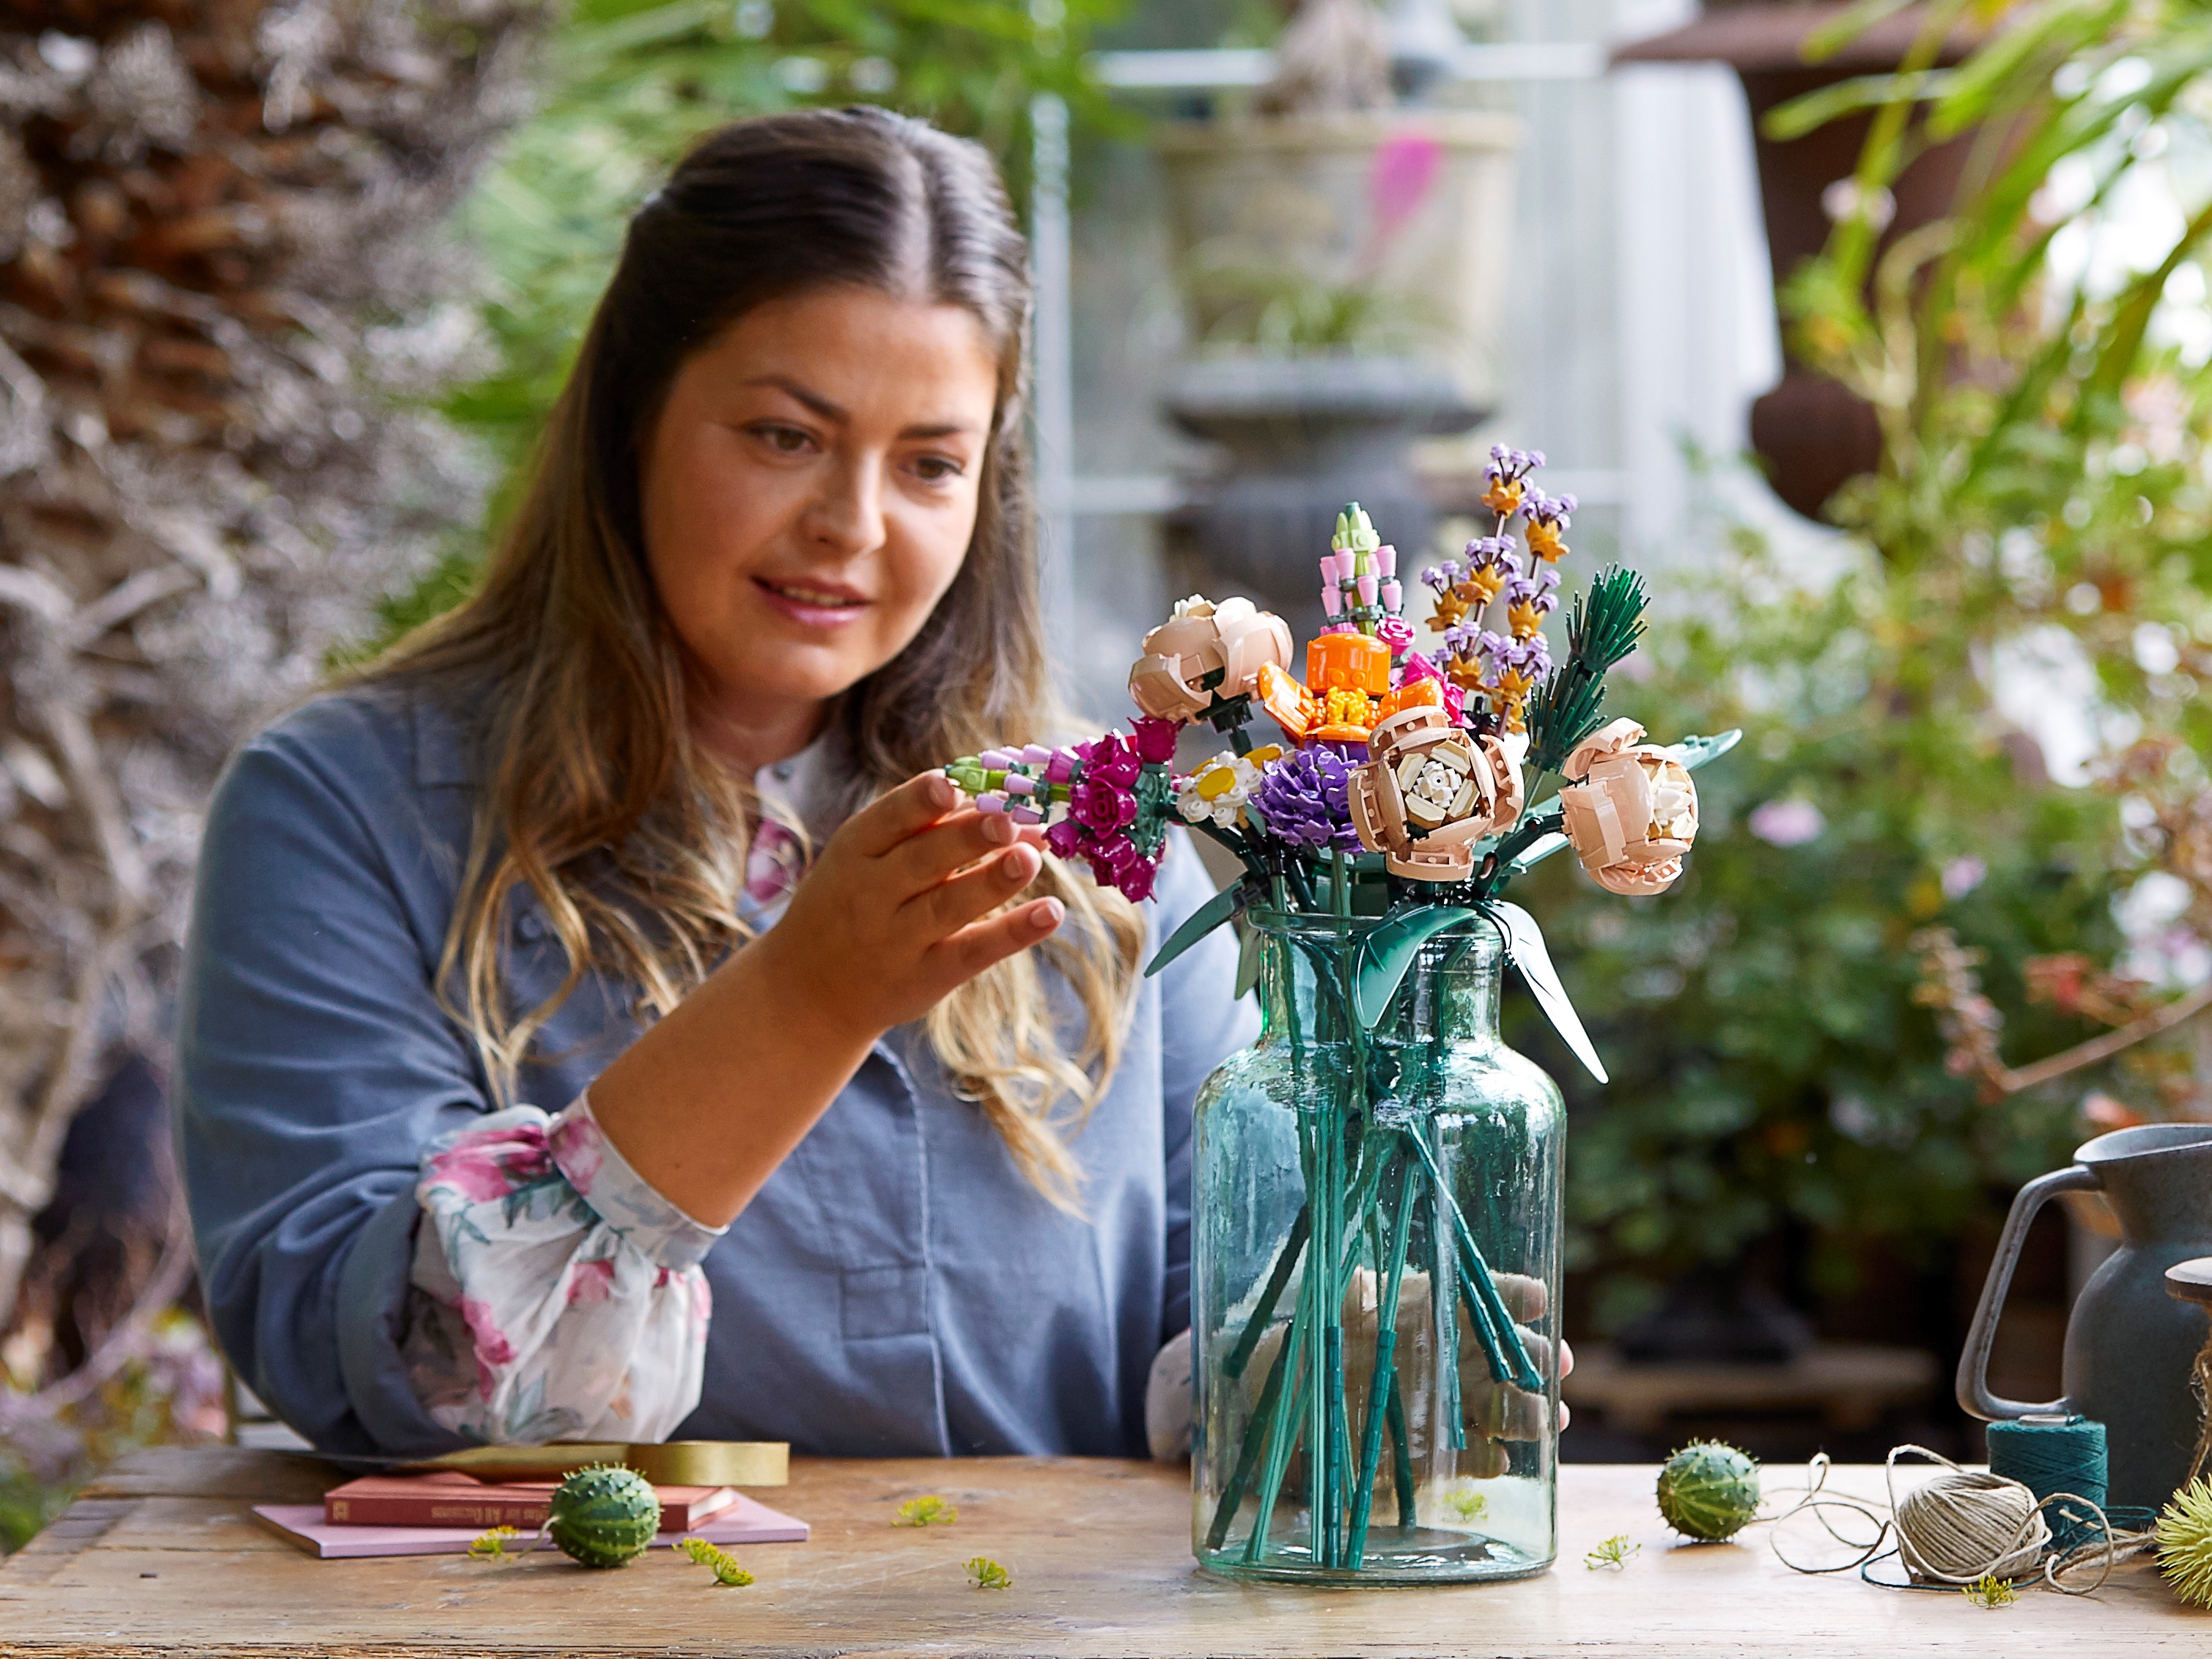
(1376, 1180)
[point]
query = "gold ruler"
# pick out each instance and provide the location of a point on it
(671, 1463)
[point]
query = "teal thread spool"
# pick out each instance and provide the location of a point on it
(2051, 1454)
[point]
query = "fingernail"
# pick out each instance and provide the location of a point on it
(940, 790)
(1000, 828)
(1049, 914)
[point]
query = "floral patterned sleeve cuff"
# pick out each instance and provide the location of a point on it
(554, 1294)
(624, 1200)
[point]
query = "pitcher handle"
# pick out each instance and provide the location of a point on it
(1974, 1395)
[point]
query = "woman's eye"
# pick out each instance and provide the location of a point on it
(938, 468)
(785, 440)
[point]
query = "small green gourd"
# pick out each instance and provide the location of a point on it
(603, 1515)
(1708, 1491)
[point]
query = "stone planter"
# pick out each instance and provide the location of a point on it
(1411, 208)
(1407, 217)
(1297, 438)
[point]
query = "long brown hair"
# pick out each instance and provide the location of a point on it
(596, 799)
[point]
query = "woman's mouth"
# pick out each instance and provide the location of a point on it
(813, 604)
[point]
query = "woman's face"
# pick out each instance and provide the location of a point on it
(809, 491)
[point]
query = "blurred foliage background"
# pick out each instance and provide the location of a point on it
(1987, 718)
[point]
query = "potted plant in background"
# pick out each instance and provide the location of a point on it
(1341, 254)
(1811, 432)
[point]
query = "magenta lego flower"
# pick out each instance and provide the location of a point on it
(1396, 633)
(1099, 806)
(1416, 666)
(1154, 739)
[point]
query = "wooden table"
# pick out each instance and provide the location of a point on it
(160, 1557)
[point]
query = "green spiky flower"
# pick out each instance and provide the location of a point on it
(2185, 1543)
(603, 1515)
(1602, 629)
(1708, 1491)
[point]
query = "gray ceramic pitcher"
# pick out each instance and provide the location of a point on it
(2130, 1346)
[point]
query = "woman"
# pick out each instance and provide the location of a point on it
(535, 1082)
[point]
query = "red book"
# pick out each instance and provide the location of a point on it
(447, 1498)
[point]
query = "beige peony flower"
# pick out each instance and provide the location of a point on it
(1429, 791)
(1631, 810)
(1203, 651)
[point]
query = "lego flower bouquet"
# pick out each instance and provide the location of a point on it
(1377, 1181)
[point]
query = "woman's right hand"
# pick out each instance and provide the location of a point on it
(896, 910)
(894, 914)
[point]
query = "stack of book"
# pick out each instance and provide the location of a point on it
(443, 1511)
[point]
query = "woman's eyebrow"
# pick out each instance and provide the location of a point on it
(832, 411)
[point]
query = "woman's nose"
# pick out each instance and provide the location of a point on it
(847, 517)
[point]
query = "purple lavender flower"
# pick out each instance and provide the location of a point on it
(1553, 510)
(1486, 551)
(1537, 590)
(1303, 800)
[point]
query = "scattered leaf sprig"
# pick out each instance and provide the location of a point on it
(927, 1510)
(1613, 1552)
(984, 1573)
(727, 1569)
(1989, 1591)
(492, 1545)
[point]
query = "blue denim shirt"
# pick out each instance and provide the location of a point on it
(897, 1289)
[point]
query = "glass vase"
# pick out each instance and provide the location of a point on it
(1376, 1217)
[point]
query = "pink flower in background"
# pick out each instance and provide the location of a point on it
(1399, 180)
(1962, 875)
(1396, 633)
(592, 1283)
(1787, 823)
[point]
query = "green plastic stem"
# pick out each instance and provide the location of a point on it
(1247, 1454)
(1385, 1374)
(1248, 1344)
(1282, 1436)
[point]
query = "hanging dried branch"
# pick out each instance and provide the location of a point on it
(222, 301)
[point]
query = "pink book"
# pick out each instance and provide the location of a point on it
(743, 1521)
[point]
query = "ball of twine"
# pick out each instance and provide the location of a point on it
(1965, 1525)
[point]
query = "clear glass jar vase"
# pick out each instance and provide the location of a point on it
(1430, 1156)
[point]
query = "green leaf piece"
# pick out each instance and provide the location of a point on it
(1250, 952)
(1694, 752)
(1524, 945)
(1539, 849)
(1389, 951)
(1200, 922)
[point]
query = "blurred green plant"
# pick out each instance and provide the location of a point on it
(2028, 568)
(630, 83)
(1279, 309)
